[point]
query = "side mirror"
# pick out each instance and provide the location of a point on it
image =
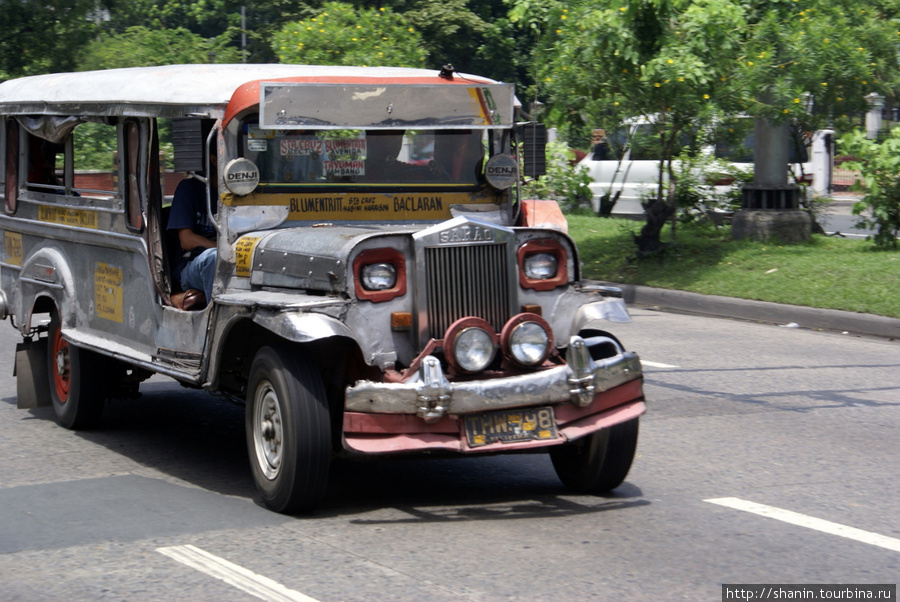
(534, 141)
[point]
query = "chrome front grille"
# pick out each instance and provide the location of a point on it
(470, 280)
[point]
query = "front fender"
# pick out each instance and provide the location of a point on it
(301, 327)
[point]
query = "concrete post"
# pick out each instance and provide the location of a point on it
(823, 162)
(873, 117)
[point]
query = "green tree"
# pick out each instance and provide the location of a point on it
(683, 61)
(664, 60)
(343, 35)
(43, 36)
(142, 47)
(879, 165)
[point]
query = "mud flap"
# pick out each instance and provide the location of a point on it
(32, 384)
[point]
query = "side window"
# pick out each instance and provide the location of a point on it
(46, 162)
(134, 189)
(94, 160)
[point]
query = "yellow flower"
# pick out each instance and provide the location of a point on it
(670, 61)
(562, 16)
(786, 111)
(381, 9)
(865, 82)
(706, 96)
(824, 84)
(657, 85)
(616, 103)
(623, 9)
(559, 31)
(797, 100)
(410, 30)
(749, 63)
(681, 79)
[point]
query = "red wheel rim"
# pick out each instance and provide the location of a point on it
(61, 366)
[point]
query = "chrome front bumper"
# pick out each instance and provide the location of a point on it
(431, 396)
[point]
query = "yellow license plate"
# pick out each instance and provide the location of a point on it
(510, 426)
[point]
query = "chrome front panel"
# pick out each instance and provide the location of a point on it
(464, 268)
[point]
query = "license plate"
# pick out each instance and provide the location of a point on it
(510, 426)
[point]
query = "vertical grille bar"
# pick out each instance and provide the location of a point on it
(466, 281)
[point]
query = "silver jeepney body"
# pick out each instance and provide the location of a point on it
(290, 255)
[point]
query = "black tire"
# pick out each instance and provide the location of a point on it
(288, 430)
(77, 385)
(599, 462)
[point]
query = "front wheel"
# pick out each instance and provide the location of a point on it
(598, 462)
(288, 430)
(77, 385)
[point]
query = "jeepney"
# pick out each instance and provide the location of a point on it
(380, 286)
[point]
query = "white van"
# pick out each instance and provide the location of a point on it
(626, 162)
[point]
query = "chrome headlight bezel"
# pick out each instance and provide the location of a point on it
(527, 340)
(541, 266)
(379, 276)
(529, 343)
(470, 345)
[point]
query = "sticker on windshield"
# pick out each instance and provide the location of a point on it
(345, 168)
(294, 147)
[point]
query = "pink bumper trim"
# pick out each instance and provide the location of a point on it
(392, 433)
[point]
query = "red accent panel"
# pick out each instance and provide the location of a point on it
(543, 214)
(630, 391)
(392, 424)
(385, 255)
(543, 245)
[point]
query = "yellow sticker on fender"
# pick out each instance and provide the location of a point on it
(68, 217)
(12, 248)
(108, 292)
(243, 255)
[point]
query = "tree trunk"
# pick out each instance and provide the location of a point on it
(659, 211)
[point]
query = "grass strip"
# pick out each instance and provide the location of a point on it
(826, 272)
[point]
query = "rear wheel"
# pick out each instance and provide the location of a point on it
(598, 462)
(288, 430)
(76, 381)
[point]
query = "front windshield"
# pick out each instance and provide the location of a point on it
(364, 158)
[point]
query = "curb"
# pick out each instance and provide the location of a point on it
(762, 311)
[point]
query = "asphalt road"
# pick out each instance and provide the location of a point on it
(159, 505)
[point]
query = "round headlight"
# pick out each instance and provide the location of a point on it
(541, 266)
(529, 343)
(473, 349)
(379, 276)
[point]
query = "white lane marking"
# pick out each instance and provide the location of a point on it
(795, 518)
(232, 574)
(657, 364)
